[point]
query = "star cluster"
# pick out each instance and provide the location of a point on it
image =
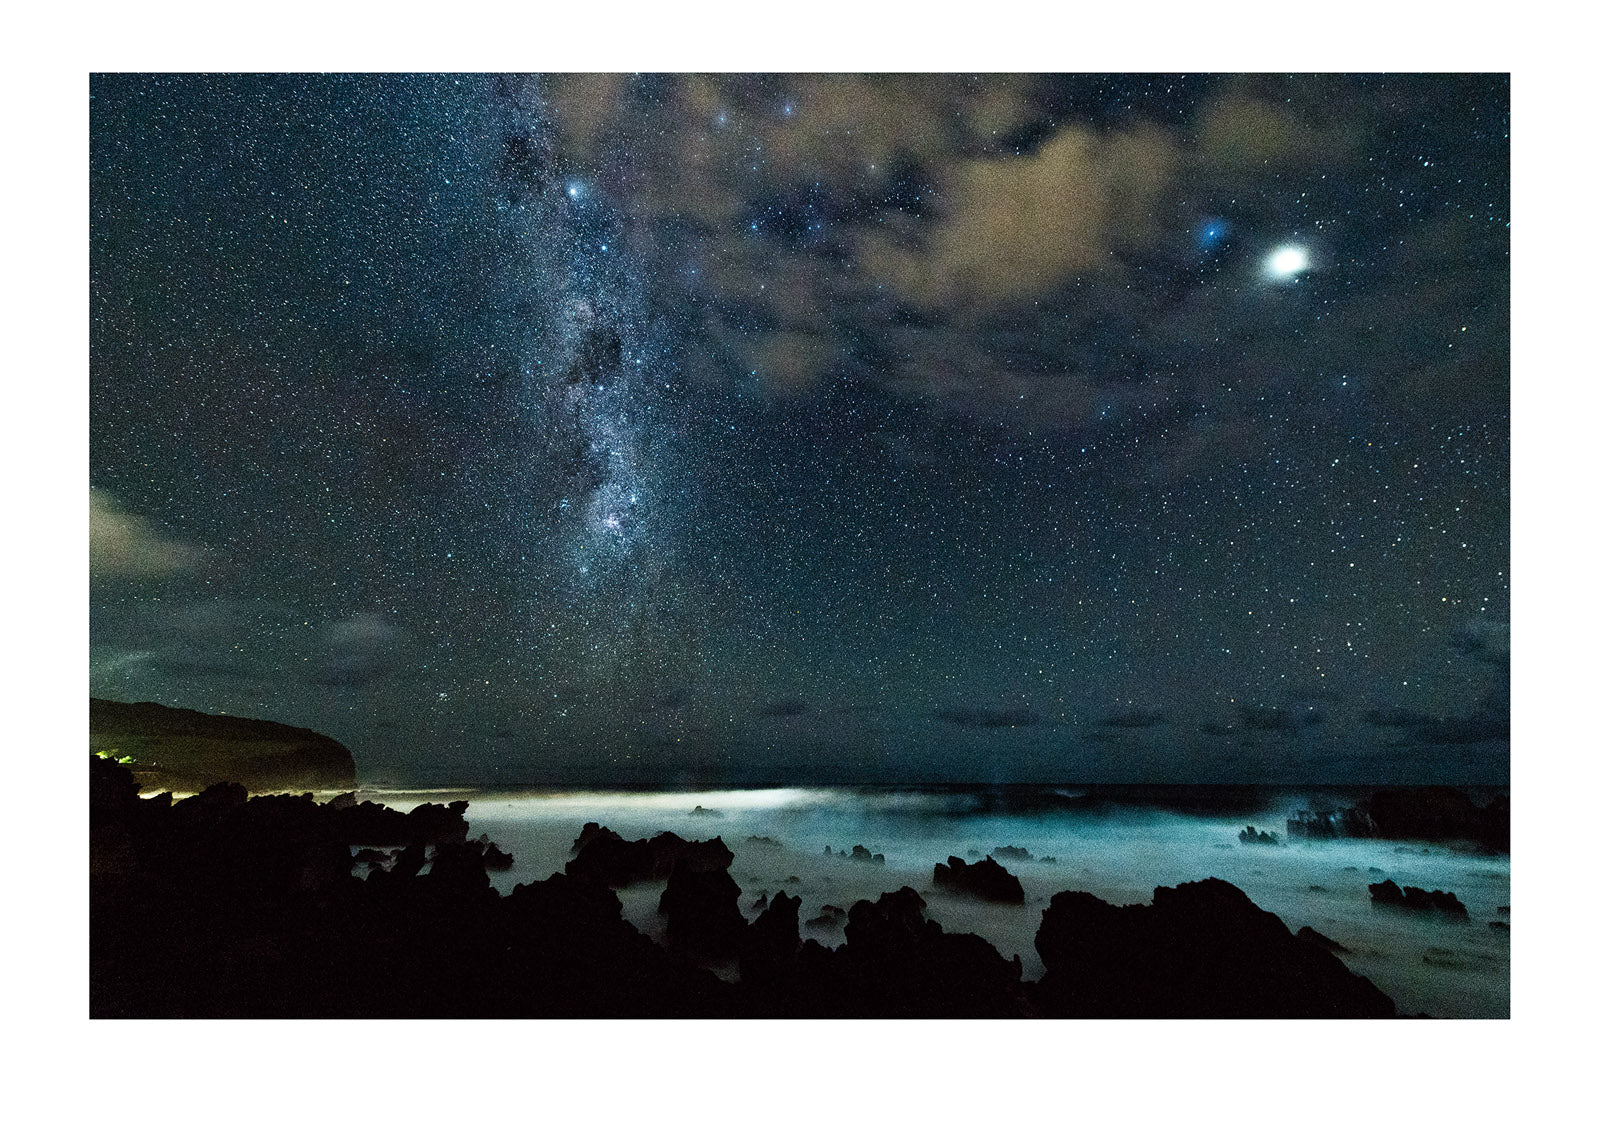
(829, 428)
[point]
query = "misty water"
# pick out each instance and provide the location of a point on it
(1429, 964)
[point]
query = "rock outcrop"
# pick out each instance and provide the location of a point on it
(1440, 813)
(1197, 950)
(702, 911)
(986, 879)
(1391, 894)
(604, 857)
(1251, 835)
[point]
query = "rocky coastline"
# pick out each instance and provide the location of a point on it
(228, 905)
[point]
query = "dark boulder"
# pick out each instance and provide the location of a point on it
(576, 956)
(459, 867)
(986, 879)
(702, 911)
(591, 830)
(860, 854)
(1440, 813)
(604, 857)
(768, 950)
(1250, 835)
(1198, 950)
(831, 918)
(211, 803)
(1011, 852)
(1391, 894)
(406, 865)
(897, 963)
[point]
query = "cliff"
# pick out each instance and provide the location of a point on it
(177, 749)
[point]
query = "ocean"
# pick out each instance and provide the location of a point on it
(1118, 843)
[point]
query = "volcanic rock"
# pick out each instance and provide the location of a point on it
(986, 879)
(702, 911)
(1011, 852)
(1249, 835)
(1408, 898)
(1198, 950)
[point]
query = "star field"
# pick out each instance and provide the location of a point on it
(810, 428)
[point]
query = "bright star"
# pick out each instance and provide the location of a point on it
(1287, 262)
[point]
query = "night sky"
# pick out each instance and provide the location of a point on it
(811, 429)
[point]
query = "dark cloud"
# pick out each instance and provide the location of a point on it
(1132, 719)
(1257, 717)
(1400, 717)
(1483, 725)
(989, 717)
(1488, 641)
(1479, 727)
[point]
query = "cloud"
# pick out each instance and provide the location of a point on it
(586, 107)
(362, 649)
(1015, 228)
(1267, 718)
(1488, 641)
(989, 717)
(125, 545)
(1485, 724)
(782, 709)
(790, 362)
(1243, 131)
(1131, 719)
(1398, 717)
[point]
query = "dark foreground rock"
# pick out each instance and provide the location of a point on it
(987, 879)
(702, 911)
(603, 857)
(895, 962)
(225, 905)
(1197, 950)
(177, 749)
(1312, 935)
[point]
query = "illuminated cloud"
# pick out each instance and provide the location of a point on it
(1015, 228)
(125, 545)
(1242, 132)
